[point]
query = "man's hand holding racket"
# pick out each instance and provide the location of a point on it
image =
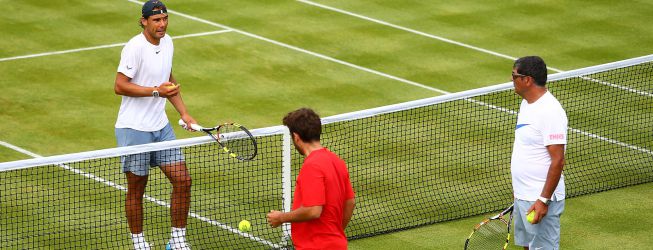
(233, 138)
(186, 120)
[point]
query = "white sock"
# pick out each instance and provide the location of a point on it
(139, 242)
(178, 235)
(138, 238)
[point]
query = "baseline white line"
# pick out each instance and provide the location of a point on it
(104, 46)
(410, 30)
(457, 43)
(302, 50)
(147, 197)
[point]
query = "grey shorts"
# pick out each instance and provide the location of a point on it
(140, 164)
(544, 235)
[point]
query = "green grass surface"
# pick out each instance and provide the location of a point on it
(65, 103)
(607, 220)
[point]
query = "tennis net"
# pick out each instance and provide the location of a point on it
(77, 201)
(411, 164)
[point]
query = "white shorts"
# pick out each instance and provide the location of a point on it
(544, 235)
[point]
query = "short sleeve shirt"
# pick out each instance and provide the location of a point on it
(539, 124)
(322, 181)
(146, 65)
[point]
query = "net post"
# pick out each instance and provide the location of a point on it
(286, 181)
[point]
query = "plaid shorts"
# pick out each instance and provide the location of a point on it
(140, 164)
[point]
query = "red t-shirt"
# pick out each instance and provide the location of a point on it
(322, 181)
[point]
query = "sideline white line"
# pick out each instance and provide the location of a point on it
(19, 149)
(147, 197)
(104, 46)
(366, 69)
(412, 30)
(458, 43)
(639, 92)
(301, 50)
(350, 64)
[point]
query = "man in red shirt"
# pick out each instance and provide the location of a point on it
(324, 199)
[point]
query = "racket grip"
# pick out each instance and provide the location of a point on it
(193, 126)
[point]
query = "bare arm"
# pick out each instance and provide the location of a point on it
(178, 103)
(348, 211)
(557, 153)
(276, 218)
(124, 86)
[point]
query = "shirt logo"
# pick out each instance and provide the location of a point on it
(520, 125)
(128, 68)
(158, 52)
(557, 137)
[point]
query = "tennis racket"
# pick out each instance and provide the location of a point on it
(491, 233)
(233, 138)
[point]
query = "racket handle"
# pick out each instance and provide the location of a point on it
(193, 126)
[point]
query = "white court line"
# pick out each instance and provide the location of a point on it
(104, 46)
(301, 50)
(347, 64)
(376, 72)
(19, 149)
(639, 92)
(408, 30)
(147, 197)
(459, 43)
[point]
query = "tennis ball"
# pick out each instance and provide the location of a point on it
(244, 226)
(530, 217)
(171, 86)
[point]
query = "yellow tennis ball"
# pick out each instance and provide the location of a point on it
(244, 226)
(530, 217)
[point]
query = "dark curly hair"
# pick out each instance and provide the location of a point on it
(305, 122)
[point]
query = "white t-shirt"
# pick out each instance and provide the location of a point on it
(539, 124)
(147, 65)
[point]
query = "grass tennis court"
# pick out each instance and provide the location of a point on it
(265, 58)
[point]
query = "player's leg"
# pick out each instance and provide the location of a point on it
(134, 202)
(180, 199)
(172, 163)
(136, 168)
(179, 203)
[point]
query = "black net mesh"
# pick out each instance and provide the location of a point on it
(81, 205)
(409, 168)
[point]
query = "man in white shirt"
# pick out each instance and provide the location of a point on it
(144, 80)
(538, 157)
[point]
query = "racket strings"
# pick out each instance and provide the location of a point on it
(491, 235)
(242, 146)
